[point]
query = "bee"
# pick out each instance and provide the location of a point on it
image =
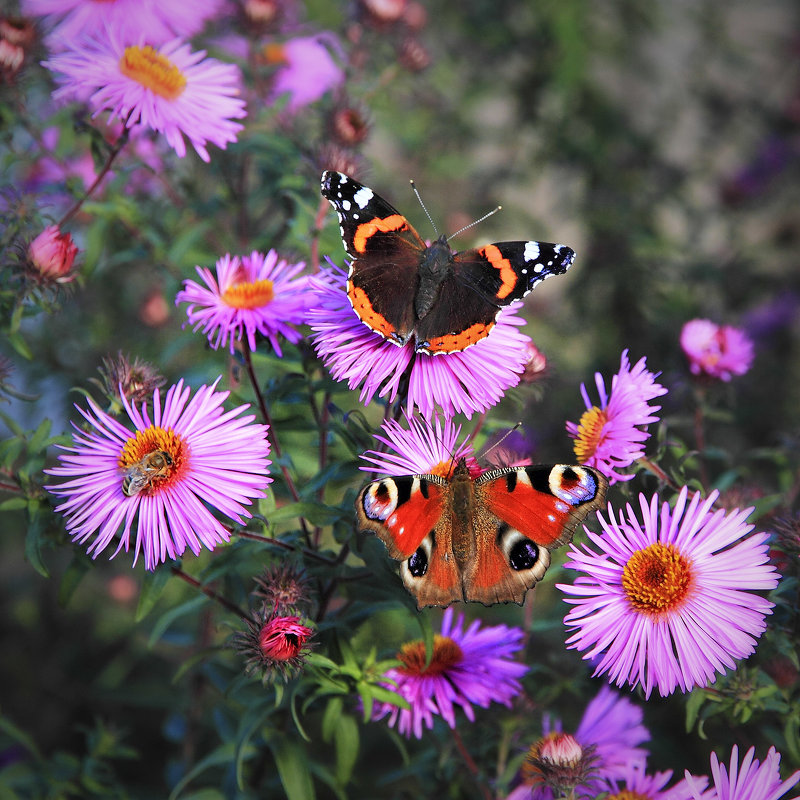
(141, 475)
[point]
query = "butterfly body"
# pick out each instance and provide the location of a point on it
(406, 290)
(486, 539)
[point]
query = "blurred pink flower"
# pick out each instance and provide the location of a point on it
(307, 69)
(51, 255)
(718, 351)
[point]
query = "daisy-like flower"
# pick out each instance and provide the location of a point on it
(468, 667)
(637, 784)
(156, 20)
(274, 644)
(307, 69)
(750, 780)
(716, 351)
(170, 89)
(157, 480)
(421, 448)
(249, 295)
(671, 601)
(459, 383)
(610, 732)
(611, 436)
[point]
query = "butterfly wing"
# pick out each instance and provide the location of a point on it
(523, 513)
(482, 282)
(385, 251)
(412, 516)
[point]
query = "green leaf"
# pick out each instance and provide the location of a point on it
(347, 744)
(221, 756)
(330, 719)
(292, 762)
(73, 576)
(315, 513)
(152, 585)
(165, 620)
(35, 539)
(693, 705)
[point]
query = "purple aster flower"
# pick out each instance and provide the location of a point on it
(466, 382)
(611, 730)
(611, 436)
(637, 784)
(307, 69)
(250, 294)
(170, 89)
(716, 351)
(155, 20)
(670, 602)
(160, 477)
(468, 667)
(421, 448)
(752, 780)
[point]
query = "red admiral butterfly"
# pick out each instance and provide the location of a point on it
(400, 287)
(486, 539)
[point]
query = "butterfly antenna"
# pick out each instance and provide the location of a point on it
(500, 441)
(477, 221)
(430, 218)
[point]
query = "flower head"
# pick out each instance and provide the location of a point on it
(636, 784)
(421, 448)
(716, 351)
(671, 601)
(284, 588)
(558, 763)
(307, 69)
(468, 667)
(611, 436)
(750, 780)
(160, 477)
(609, 734)
(156, 20)
(275, 645)
(465, 382)
(51, 256)
(169, 89)
(120, 377)
(249, 295)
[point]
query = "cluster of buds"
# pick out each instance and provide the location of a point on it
(275, 643)
(16, 39)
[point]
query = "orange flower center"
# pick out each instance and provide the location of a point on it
(657, 579)
(627, 794)
(249, 294)
(590, 433)
(446, 655)
(150, 459)
(154, 71)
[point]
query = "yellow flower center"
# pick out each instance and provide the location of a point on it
(590, 433)
(657, 579)
(249, 294)
(150, 459)
(446, 654)
(627, 794)
(153, 71)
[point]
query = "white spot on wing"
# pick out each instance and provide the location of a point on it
(531, 251)
(363, 196)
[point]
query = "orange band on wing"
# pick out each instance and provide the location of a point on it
(366, 313)
(508, 277)
(454, 342)
(395, 222)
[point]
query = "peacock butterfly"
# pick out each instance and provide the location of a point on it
(486, 539)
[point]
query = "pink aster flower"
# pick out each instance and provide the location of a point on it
(155, 20)
(307, 69)
(421, 448)
(157, 480)
(637, 783)
(671, 601)
(610, 731)
(51, 256)
(169, 89)
(468, 667)
(611, 436)
(249, 295)
(716, 351)
(752, 780)
(459, 383)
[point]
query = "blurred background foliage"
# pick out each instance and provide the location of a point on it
(660, 140)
